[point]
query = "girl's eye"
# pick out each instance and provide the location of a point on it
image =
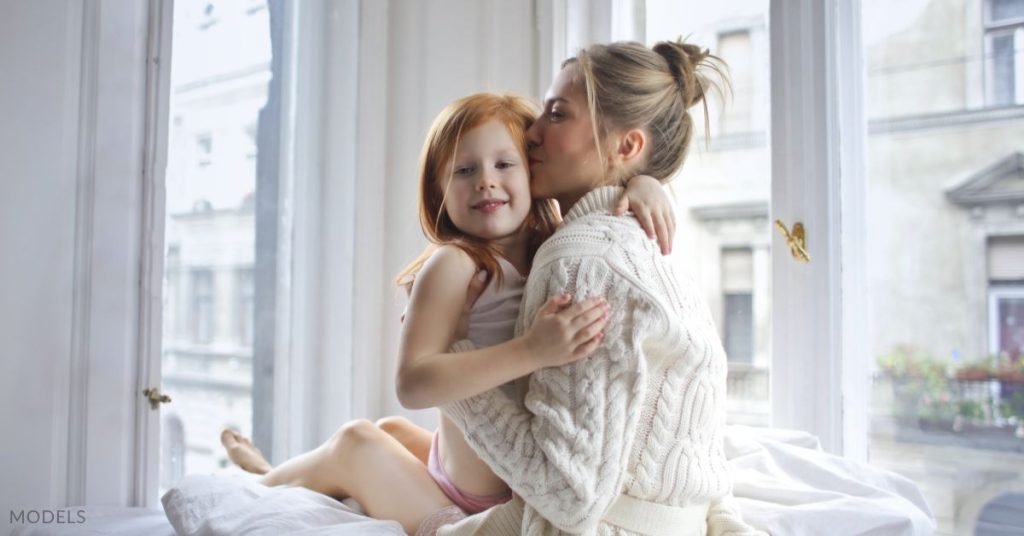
(555, 115)
(503, 165)
(464, 171)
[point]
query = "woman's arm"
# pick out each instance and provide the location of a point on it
(565, 452)
(429, 375)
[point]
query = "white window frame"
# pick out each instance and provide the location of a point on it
(995, 293)
(994, 29)
(304, 301)
(819, 372)
(1018, 69)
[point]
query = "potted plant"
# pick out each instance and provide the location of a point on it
(1011, 385)
(919, 386)
(982, 369)
(1011, 370)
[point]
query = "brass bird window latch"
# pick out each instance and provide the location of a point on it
(155, 397)
(797, 240)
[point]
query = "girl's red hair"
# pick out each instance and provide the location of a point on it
(459, 117)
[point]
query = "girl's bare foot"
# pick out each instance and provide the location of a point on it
(243, 453)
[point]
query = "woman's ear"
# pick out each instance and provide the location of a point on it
(631, 147)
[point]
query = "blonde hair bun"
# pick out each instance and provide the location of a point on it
(683, 60)
(629, 85)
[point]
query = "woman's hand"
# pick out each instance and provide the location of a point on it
(646, 198)
(562, 333)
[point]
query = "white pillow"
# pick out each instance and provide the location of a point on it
(223, 504)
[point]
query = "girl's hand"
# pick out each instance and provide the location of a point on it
(562, 333)
(646, 198)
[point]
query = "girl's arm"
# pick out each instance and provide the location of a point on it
(429, 375)
(645, 197)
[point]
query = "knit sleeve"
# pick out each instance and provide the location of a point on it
(565, 451)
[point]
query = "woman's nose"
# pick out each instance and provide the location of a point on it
(533, 135)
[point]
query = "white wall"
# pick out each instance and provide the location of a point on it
(39, 50)
(71, 164)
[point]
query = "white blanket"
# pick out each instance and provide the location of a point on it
(784, 484)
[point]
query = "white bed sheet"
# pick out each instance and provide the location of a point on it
(784, 484)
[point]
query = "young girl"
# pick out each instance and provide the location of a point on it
(476, 210)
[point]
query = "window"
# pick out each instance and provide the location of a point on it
(736, 48)
(723, 192)
(202, 306)
(1004, 52)
(738, 298)
(1006, 11)
(244, 304)
(1007, 316)
(1006, 296)
(208, 355)
(945, 257)
(204, 149)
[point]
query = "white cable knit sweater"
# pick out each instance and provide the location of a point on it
(643, 416)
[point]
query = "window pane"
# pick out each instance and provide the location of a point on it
(739, 332)
(722, 192)
(219, 75)
(943, 203)
(1003, 60)
(1007, 10)
(1010, 326)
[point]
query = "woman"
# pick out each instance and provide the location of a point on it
(628, 441)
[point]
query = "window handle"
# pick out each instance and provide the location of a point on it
(155, 397)
(797, 241)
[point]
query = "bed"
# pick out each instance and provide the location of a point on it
(784, 484)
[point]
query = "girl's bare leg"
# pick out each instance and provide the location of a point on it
(414, 438)
(243, 453)
(363, 462)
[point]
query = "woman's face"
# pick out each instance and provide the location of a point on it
(563, 158)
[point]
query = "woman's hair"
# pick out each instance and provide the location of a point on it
(516, 114)
(629, 85)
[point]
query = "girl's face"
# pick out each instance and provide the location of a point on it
(489, 193)
(563, 158)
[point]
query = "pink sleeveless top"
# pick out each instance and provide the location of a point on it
(492, 319)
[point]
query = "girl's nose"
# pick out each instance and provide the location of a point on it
(486, 181)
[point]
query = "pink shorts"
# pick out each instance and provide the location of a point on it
(470, 503)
